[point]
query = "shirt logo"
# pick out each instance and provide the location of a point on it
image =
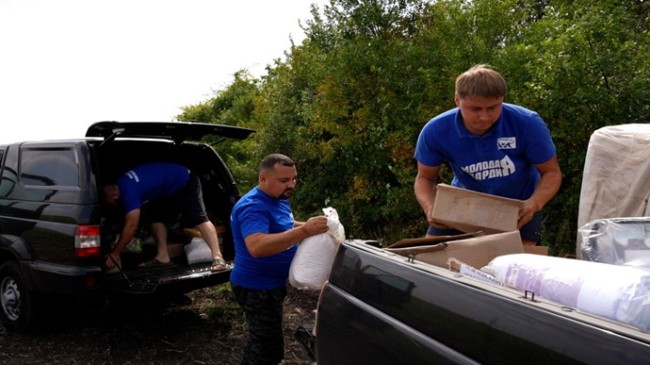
(133, 176)
(507, 143)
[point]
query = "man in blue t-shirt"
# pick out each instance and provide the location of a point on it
(492, 147)
(168, 190)
(266, 238)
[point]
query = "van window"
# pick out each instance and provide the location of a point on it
(49, 167)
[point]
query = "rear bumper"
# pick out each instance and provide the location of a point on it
(78, 281)
(63, 279)
(169, 280)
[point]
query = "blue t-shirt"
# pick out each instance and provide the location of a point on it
(500, 162)
(151, 181)
(256, 212)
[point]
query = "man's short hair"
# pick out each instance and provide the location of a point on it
(269, 162)
(481, 81)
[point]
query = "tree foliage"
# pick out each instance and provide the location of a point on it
(348, 102)
(233, 106)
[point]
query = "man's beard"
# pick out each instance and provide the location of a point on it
(286, 194)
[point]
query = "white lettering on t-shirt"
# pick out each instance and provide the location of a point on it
(490, 169)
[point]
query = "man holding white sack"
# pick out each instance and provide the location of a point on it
(266, 237)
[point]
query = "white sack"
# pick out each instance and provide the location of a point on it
(617, 292)
(311, 265)
(198, 251)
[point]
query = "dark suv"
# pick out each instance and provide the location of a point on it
(54, 231)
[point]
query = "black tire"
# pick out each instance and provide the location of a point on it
(18, 304)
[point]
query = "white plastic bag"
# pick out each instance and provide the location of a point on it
(311, 265)
(619, 241)
(335, 227)
(198, 251)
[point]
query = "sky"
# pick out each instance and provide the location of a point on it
(65, 64)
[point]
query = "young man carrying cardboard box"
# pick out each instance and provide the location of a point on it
(492, 147)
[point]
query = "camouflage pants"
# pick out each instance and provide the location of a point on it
(263, 311)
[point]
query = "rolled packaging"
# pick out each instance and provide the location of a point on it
(616, 292)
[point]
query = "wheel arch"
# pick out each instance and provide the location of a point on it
(14, 248)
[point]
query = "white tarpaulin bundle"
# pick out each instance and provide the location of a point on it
(616, 176)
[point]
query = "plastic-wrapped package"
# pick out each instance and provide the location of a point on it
(198, 251)
(620, 293)
(618, 241)
(311, 265)
(616, 176)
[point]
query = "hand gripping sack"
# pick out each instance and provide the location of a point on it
(311, 265)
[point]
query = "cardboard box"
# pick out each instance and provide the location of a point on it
(474, 249)
(470, 211)
(537, 250)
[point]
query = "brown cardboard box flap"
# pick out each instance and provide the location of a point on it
(537, 250)
(423, 241)
(416, 250)
(475, 251)
(469, 211)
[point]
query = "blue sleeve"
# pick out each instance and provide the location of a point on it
(130, 195)
(426, 149)
(253, 219)
(540, 146)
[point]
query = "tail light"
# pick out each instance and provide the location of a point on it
(87, 242)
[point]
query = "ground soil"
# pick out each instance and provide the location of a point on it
(203, 327)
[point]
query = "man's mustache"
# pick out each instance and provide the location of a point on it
(287, 193)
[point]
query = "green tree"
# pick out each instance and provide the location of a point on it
(582, 66)
(233, 106)
(355, 134)
(348, 103)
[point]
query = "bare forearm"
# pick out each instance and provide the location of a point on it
(425, 187)
(128, 232)
(547, 188)
(425, 193)
(261, 245)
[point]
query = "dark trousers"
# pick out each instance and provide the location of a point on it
(186, 205)
(263, 311)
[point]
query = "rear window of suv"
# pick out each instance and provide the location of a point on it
(49, 167)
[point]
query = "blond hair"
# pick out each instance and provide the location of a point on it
(482, 81)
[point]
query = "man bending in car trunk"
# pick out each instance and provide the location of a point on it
(168, 189)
